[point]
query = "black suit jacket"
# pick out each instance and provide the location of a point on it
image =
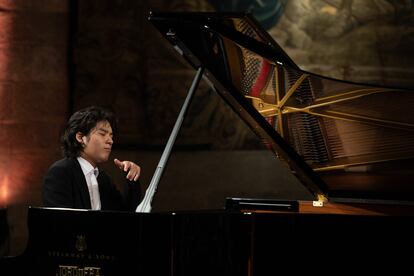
(65, 185)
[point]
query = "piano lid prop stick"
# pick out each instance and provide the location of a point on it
(145, 205)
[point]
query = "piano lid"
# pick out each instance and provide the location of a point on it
(344, 141)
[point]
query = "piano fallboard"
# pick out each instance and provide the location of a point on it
(217, 242)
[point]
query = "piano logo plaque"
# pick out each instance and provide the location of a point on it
(80, 244)
(75, 270)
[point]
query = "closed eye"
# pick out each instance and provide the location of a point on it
(104, 132)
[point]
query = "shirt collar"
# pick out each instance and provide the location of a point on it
(87, 167)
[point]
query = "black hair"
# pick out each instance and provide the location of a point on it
(83, 121)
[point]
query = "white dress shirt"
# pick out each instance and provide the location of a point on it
(91, 175)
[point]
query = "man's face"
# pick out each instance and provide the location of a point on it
(98, 143)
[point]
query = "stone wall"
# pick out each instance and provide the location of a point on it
(33, 102)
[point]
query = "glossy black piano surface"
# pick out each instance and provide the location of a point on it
(76, 242)
(346, 142)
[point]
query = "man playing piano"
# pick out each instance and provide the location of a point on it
(75, 181)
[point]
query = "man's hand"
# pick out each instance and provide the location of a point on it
(127, 166)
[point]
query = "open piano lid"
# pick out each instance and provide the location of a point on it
(344, 141)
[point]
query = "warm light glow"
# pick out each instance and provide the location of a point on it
(6, 41)
(4, 191)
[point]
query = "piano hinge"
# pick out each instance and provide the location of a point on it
(321, 199)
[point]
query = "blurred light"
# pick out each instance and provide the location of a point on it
(4, 191)
(7, 37)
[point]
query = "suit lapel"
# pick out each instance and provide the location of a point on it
(80, 181)
(102, 184)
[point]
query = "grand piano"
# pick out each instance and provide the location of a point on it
(350, 144)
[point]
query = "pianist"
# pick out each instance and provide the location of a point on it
(76, 181)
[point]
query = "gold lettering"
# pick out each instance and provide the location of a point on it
(67, 270)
